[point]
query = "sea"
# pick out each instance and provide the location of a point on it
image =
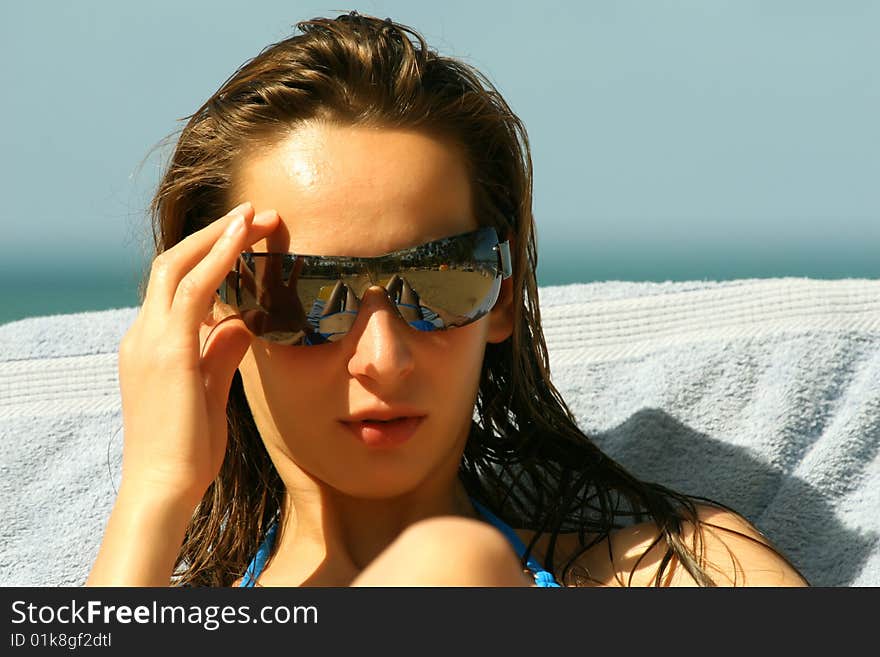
(74, 288)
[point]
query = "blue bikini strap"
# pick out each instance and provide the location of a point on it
(542, 577)
(259, 561)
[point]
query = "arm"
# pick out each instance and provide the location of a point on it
(141, 541)
(734, 553)
(737, 554)
(177, 364)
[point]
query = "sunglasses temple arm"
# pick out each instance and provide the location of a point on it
(505, 263)
(226, 288)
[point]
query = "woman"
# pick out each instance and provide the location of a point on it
(366, 399)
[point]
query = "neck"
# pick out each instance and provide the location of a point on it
(327, 537)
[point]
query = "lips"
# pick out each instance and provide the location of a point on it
(384, 433)
(384, 414)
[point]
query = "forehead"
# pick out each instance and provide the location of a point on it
(358, 191)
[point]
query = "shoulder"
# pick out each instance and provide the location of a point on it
(734, 553)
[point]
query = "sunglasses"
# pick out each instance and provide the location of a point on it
(296, 299)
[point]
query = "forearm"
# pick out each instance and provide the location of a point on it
(141, 542)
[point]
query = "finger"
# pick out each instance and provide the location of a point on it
(171, 265)
(221, 355)
(196, 288)
(190, 298)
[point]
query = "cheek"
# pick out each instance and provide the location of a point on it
(457, 364)
(285, 388)
(466, 351)
(296, 391)
(296, 410)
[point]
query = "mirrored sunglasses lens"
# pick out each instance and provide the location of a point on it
(284, 300)
(438, 299)
(308, 301)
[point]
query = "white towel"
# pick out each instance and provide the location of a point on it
(763, 394)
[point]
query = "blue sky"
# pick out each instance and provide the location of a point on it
(689, 129)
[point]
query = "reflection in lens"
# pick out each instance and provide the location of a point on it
(439, 299)
(310, 300)
(334, 318)
(267, 295)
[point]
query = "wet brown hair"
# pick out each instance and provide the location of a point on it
(526, 458)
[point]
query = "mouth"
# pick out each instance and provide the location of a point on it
(384, 433)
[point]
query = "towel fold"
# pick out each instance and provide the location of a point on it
(762, 394)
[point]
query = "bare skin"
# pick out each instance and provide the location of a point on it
(176, 366)
(353, 516)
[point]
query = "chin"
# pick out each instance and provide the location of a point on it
(383, 485)
(374, 481)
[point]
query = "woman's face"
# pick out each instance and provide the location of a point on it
(365, 192)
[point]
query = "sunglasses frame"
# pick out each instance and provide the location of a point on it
(375, 266)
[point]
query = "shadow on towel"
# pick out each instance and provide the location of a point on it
(797, 516)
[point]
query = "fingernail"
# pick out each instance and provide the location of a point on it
(265, 217)
(241, 208)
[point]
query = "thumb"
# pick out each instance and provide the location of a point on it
(224, 344)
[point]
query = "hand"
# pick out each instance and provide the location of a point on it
(176, 365)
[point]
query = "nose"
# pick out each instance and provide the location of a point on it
(382, 349)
